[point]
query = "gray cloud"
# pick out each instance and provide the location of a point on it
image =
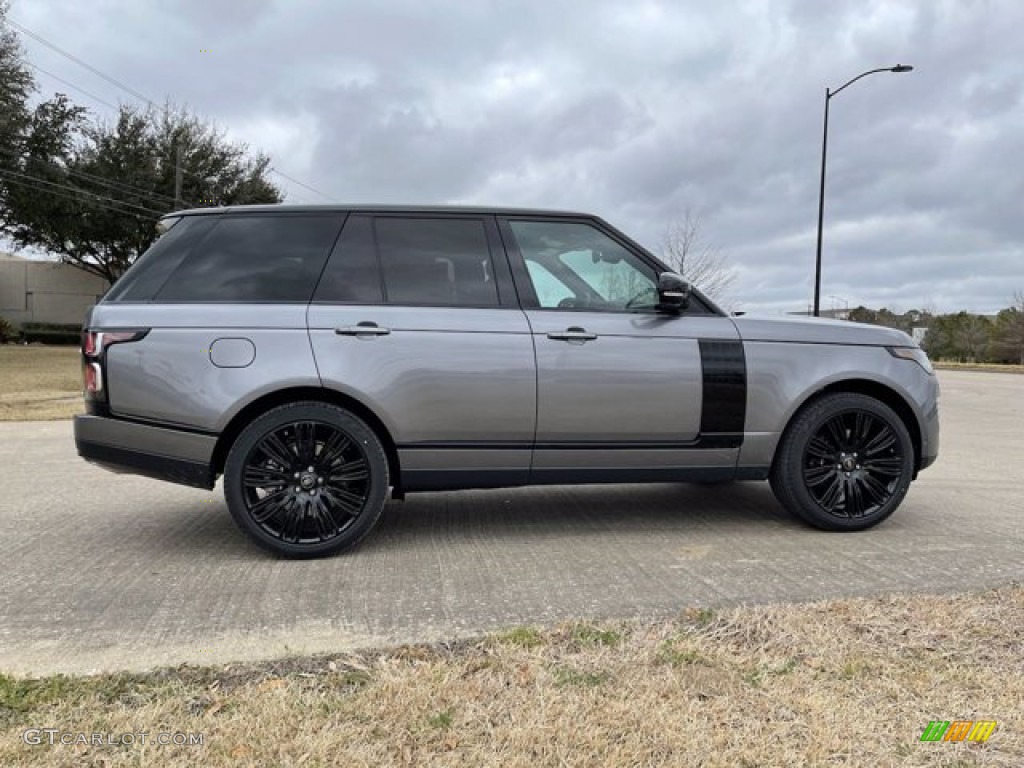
(633, 111)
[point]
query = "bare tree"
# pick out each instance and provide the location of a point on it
(704, 265)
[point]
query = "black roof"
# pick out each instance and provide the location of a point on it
(473, 209)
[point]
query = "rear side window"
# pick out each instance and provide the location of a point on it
(143, 279)
(252, 258)
(438, 261)
(353, 273)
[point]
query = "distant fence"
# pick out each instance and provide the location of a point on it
(45, 291)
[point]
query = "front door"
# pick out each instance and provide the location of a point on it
(623, 391)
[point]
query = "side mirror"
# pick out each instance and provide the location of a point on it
(673, 292)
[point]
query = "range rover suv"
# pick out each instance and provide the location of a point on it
(321, 358)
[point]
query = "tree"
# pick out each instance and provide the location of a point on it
(16, 85)
(90, 191)
(1008, 332)
(683, 249)
(862, 314)
(95, 189)
(962, 337)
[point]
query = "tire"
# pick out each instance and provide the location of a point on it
(844, 463)
(295, 511)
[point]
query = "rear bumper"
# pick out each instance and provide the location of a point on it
(129, 447)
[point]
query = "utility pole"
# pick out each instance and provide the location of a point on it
(177, 177)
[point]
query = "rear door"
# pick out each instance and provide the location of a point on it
(416, 317)
(623, 390)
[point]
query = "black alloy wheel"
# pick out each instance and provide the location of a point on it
(853, 463)
(306, 480)
(845, 463)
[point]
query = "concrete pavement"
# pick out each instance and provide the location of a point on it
(115, 572)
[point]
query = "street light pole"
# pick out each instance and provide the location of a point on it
(824, 154)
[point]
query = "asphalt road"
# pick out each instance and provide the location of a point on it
(114, 572)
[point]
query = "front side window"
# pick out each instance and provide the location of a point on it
(576, 266)
(255, 258)
(444, 262)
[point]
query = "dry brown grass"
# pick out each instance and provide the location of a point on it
(989, 367)
(850, 682)
(39, 382)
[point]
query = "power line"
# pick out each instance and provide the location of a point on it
(114, 185)
(69, 84)
(122, 203)
(72, 57)
(304, 186)
(76, 199)
(132, 91)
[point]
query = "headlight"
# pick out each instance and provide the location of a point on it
(913, 353)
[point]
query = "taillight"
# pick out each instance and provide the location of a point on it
(94, 347)
(92, 375)
(94, 342)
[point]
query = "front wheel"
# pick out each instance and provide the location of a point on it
(306, 479)
(844, 464)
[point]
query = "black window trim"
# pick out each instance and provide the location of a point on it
(524, 283)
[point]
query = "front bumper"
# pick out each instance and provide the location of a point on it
(130, 447)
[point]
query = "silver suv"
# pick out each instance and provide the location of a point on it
(321, 358)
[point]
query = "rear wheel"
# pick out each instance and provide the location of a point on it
(844, 464)
(306, 479)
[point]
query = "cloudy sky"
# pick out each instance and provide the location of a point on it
(635, 110)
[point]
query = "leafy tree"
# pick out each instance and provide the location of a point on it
(962, 337)
(108, 182)
(16, 85)
(683, 249)
(972, 335)
(862, 314)
(1008, 332)
(889, 319)
(90, 191)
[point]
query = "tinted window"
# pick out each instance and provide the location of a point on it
(255, 258)
(144, 278)
(576, 266)
(353, 274)
(436, 261)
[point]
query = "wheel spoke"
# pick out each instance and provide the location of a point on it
(349, 503)
(830, 498)
(352, 471)
(878, 492)
(891, 466)
(296, 513)
(267, 507)
(820, 449)
(333, 449)
(817, 475)
(264, 477)
(277, 451)
(326, 523)
(884, 440)
(855, 505)
(865, 423)
(837, 432)
(305, 441)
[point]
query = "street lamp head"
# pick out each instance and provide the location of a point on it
(901, 68)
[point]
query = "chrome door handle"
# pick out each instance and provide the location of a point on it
(575, 333)
(362, 329)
